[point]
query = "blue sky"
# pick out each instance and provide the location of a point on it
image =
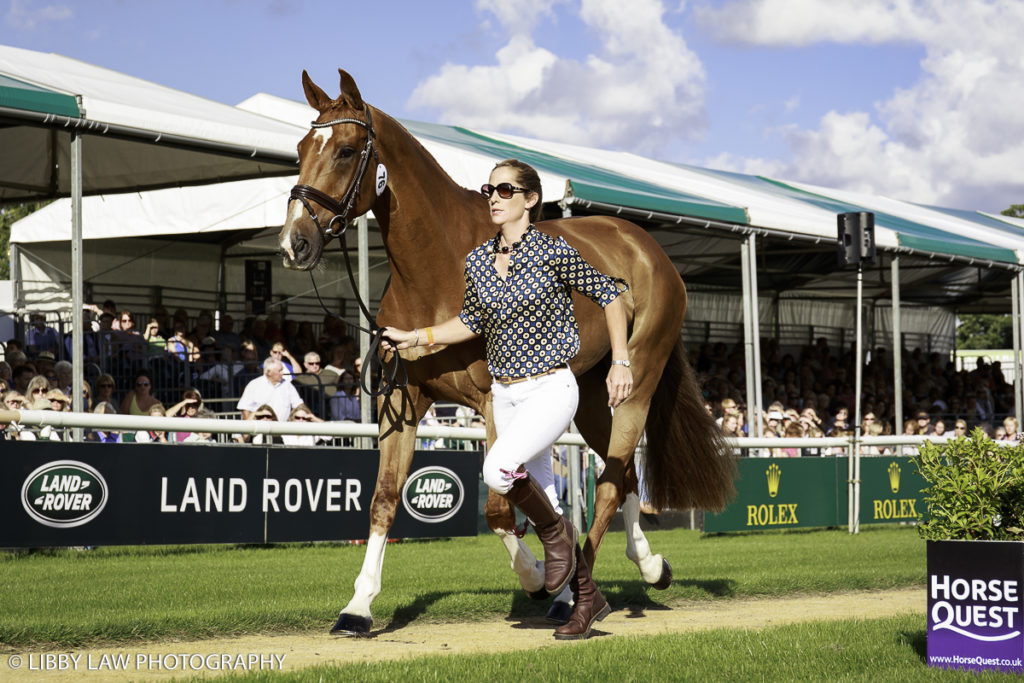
(916, 99)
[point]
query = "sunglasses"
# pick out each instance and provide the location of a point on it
(504, 190)
(142, 384)
(264, 417)
(303, 419)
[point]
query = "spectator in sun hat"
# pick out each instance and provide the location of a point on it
(59, 401)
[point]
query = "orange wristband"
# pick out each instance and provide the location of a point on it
(430, 335)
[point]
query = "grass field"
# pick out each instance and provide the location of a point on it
(877, 650)
(74, 598)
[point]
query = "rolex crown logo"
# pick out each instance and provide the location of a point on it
(894, 477)
(773, 474)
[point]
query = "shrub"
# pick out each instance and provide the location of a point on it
(975, 489)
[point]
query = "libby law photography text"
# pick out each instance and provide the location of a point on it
(126, 661)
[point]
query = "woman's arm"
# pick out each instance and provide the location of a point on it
(451, 331)
(620, 377)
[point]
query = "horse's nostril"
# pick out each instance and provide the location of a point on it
(302, 248)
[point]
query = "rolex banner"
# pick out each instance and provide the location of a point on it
(80, 494)
(784, 493)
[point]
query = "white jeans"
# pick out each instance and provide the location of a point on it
(528, 417)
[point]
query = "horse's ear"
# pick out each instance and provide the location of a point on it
(349, 90)
(316, 97)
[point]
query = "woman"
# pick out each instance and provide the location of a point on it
(104, 389)
(188, 407)
(154, 340)
(518, 297)
(102, 435)
(139, 400)
(180, 346)
(291, 366)
(37, 388)
(960, 428)
(302, 414)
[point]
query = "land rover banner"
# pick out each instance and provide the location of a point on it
(80, 494)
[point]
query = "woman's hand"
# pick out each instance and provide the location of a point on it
(620, 384)
(393, 339)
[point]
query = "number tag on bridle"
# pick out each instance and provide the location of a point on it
(382, 179)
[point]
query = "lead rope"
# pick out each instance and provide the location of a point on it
(393, 374)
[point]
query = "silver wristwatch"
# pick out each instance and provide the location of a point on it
(621, 362)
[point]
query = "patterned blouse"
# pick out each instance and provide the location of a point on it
(527, 319)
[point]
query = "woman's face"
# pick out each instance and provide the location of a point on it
(142, 385)
(513, 209)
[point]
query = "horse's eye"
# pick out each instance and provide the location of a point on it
(345, 153)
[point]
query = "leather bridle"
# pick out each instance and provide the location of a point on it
(305, 193)
(393, 374)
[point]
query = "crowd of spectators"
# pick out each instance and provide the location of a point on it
(811, 394)
(180, 366)
(176, 365)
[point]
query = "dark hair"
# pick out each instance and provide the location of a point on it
(526, 176)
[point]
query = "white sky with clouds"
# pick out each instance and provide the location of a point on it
(916, 99)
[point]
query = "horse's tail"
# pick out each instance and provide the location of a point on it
(687, 463)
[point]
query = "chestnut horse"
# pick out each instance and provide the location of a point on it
(429, 224)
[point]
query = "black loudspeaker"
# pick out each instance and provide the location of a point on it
(856, 238)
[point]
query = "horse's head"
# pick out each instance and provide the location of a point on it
(339, 173)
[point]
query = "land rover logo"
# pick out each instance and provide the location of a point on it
(64, 493)
(433, 494)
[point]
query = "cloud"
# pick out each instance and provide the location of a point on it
(640, 90)
(24, 15)
(954, 137)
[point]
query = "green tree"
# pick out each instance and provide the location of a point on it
(985, 331)
(1015, 211)
(8, 215)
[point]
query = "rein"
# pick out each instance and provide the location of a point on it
(393, 374)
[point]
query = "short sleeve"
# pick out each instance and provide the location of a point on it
(472, 312)
(575, 272)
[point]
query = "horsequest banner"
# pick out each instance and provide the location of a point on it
(81, 494)
(786, 493)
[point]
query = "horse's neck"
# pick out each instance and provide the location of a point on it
(428, 224)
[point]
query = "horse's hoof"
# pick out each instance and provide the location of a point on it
(559, 612)
(352, 625)
(541, 594)
(666, 576)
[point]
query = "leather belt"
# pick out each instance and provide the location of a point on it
(515, 380)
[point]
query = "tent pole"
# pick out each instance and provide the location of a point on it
(363, 228)
(77, 331)
(1018, 341)
(755, 327)
(748, 337)
(858, 366)
(897, 348)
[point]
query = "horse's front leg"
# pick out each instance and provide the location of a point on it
(396, 450)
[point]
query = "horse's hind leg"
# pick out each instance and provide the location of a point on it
(618, 483)
(396, 451)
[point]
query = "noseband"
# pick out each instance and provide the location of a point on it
(304, 193)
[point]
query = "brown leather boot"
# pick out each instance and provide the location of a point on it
(556, 533)
(590, 604)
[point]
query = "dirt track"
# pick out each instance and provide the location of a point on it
(144, 662)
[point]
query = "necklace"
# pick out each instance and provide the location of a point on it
(495, 247)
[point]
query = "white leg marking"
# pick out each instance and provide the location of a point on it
(529, 569)
(368, 582)
(637, 548)
(565, 596)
